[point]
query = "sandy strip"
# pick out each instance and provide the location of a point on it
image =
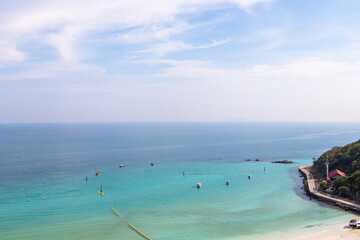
(333, 233)
(337, 231)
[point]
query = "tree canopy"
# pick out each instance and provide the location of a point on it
(347, 160)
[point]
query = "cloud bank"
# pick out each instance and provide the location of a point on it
(217, 60)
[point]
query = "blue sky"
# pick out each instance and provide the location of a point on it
(215, 60)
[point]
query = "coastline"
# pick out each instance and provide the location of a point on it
(332, 231)
(311, 190)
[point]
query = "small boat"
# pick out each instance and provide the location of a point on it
(353, 223)
(122, 165)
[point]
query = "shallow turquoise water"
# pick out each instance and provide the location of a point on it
(51, 160)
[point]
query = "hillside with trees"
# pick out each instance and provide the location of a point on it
(347, 160)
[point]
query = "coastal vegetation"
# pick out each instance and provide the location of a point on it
(347, 160)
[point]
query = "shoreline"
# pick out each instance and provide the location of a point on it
(311, 191)
(332, 231)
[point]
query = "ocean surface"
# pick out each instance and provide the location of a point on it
(44, 169)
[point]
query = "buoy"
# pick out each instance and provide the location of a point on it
(28, 200)
(43, 198)
(10, 201)
(66, 195)
(86, 193)
(139, 232)
(59, 196)
(115, 212)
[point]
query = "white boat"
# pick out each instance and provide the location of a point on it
(353, 223)
(358, 225)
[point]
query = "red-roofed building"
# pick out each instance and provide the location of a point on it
(335, 174)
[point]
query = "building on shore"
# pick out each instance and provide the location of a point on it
(335, 174)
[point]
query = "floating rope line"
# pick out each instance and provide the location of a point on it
(139, 232)
(261, 170)
(115, 212)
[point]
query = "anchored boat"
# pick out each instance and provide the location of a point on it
(354, 223)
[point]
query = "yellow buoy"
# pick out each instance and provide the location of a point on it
(43, 198)
(10, 201)
(139, 232)
(115, 212)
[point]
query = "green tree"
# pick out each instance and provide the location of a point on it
(344, 191)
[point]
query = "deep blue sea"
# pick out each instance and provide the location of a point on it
(44, 169)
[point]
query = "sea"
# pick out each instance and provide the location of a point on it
(50, 190)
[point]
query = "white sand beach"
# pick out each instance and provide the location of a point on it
(330, 233)
(338, 231)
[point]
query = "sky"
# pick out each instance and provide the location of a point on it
(179, 61)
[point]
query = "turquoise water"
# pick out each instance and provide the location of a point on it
(51, 160)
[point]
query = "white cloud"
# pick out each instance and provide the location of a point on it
(166, 47)
(9, 53)
(213, 44)
(65, 43)
(63, 24)
(163, 48)
(303, 90)
(55, 70)
(153, 32)
(267, 39)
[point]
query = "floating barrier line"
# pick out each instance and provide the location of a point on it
(115, 212)
(223, 172)
(139, 232)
